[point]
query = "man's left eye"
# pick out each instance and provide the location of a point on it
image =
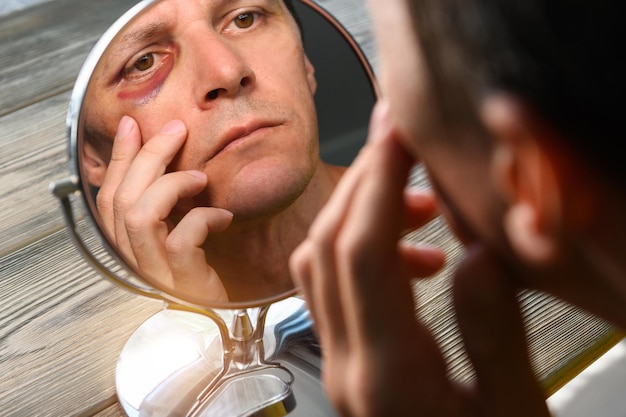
(244, 20)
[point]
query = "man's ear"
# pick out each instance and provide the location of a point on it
(94, 165)
(531, 167)
(310, 75)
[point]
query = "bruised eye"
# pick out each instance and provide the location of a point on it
(144, 63)
(244, 20)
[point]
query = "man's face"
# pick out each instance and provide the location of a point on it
(458, 170)
(236, 74)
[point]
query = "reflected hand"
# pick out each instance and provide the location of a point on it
(136, 200)
(355, 274)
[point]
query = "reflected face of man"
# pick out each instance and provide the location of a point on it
(458, 169)
(235, 72)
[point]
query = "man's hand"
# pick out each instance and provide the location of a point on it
(135, 203)
(355, 273)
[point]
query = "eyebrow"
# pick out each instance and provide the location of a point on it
(142, 34)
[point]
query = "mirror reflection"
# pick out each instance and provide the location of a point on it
(210, 135)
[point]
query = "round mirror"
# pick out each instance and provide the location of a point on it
(206, 135)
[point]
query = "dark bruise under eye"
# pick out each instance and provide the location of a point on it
(244, 20)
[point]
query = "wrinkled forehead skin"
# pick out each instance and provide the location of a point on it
(159, 17)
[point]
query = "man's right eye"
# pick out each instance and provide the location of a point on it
(144, 63)
(145, 66)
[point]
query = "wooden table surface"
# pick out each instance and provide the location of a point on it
(62, 326)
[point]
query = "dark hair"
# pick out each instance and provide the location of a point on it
(563, 57)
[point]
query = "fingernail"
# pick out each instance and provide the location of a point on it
(174, 127)
(226, 212)
(419, 194)
(429, 247)
(379, 121)
(381, 110)
(125, 126)
(432, 254)
(197, 174)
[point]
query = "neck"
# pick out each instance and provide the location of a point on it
(251, 257)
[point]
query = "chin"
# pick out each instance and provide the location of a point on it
(255, 190)
(262, 201)
(264, 205)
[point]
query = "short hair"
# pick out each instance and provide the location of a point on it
(563, 57)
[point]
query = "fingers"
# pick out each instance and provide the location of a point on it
(367, 247)
(420, 207)
(126, 145)
(136, 201)
(493, 333)
(148, 165)
(146, 224)
(421, 260)
(194, 278)
(314, 262)
(353, 244)
(134, 168)
(351, 269)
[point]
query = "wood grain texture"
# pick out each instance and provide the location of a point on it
(62, 325)
(43, 47)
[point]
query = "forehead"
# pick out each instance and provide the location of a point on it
(169, 18)
(170, 15)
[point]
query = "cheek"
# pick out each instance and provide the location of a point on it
(102, 112)
(469, 195)
(151, 117)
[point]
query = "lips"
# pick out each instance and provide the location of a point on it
(239, 133)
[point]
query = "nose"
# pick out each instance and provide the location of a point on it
(220, 68)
